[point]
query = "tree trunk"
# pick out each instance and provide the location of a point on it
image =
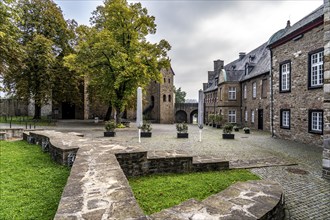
(119, 115)
(37, 111)
(108, 114)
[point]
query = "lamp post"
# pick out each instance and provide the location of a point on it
(139, 119)
(200, 113)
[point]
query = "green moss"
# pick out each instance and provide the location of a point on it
(31, 183)
(157, 192)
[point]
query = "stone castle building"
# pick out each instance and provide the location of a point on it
(239, 91)
(283, 86)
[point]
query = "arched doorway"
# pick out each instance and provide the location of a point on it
(180, 116)
(194, 116)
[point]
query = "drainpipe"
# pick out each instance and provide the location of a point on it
(271, 94)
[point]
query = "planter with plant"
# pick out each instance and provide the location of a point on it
(227, 129)
(211, 119)
(218, 120)
(182, 130)
(110, 127)
(246, 130)
(146, 129)
(236, 128)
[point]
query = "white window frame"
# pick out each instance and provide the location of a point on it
(285, 77)
(252, 116)
(316, 71)
(246, 116)
(232, 116)
(316, 121)
(254, 90)
(232, 93)
(285, 119)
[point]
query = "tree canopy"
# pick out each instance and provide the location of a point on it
(180, 96)
(115, 54)
(44, 38)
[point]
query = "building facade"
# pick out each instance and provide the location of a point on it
(297, 73)
(240, 90)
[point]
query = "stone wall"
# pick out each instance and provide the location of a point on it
(261, 102)
(326, 145)
(300, 99)
(13, 107)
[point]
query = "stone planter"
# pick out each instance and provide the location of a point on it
(218, 126)
(214, 125)
(109, 134)
(146, 134)
(182, 135)
(228, 136)
(236, 129)
(247, 131)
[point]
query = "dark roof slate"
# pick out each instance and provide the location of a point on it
(300, 24)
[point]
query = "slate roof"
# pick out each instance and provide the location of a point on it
(300, 24)
(235, 71)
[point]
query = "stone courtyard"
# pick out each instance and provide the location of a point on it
(297, 167)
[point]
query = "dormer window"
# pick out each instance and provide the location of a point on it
(233, 67)
(251, 58)
(246, 69)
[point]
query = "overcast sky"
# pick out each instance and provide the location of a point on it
(203, 31)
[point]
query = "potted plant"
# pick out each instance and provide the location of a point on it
(218, 120)
(236, 128)
(227, 129)
(146, 129)
(182, 130)
(246, 130)
(211, 119)
(110, 127)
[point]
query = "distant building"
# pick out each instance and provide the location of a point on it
(239, 91)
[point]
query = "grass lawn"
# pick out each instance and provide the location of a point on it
(157, 192)
(31, 184)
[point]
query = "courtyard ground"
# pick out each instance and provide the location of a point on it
(297, 167)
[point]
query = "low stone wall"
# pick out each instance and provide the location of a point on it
(259, 199)
(97, 187)
(8, 133)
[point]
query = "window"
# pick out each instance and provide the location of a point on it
(164, 80)
(264, 88)
(220, 94)
(244, 91)
(169, 98)
(232, 116)
(169, 80)
(246, 115)
(316, 121)
(285, 118)
(232, 93)
(246, 69)
(285, 77)
(252, 116)
(315, 76)
(254, 90)
(164, 98)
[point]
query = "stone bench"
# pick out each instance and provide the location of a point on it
(97, 187)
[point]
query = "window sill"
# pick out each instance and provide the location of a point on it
(316, 132)
(315, 87)
(286, 128)
(285, 91)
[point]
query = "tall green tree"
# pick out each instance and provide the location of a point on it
(46, 36)
(116, 54)
(180, 96)
(11, 53)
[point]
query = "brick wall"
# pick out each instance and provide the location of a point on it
(300, 99)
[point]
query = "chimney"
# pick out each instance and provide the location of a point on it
(288, 24)
(218, 65)
(241, 55)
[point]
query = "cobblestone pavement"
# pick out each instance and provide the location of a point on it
(307, 194)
